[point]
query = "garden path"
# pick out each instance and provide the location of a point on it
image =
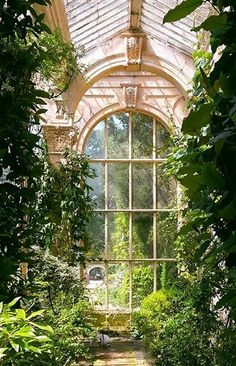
(122, 352)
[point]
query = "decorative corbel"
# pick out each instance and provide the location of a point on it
(130, 95)
(134, 46)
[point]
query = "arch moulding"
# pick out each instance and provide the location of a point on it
(113, 109)
(178, 74)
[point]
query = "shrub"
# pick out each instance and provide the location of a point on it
(153, 313)
(22, 341)
(174, 331)
(72, 330)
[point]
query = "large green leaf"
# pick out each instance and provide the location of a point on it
(213, 23)
(35, 313)
(182, 10)
(197, 119)
(43, 327)
(229, 212)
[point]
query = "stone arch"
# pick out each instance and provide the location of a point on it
(116, 63)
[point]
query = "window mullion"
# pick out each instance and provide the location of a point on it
(130, 213)
(154, 207)
(106, 216)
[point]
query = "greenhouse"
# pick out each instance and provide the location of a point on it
(117, 187)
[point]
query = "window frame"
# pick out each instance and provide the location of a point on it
(154, 161)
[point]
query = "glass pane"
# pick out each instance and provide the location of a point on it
(142, 235)
(94, 146)
(96, 230)
(142, 186)
(118, 286)
(162, 141)
(142, 136)
(142, 282)
(118, 235)
(95, 283)
(118, 185)
(118, 136)
(166, 190)
(166, 234)
(98, 185)
(166, 275)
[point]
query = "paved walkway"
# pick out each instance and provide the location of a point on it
(122, 352)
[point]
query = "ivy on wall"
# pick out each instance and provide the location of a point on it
(63, 207)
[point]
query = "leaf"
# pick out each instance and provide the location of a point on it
(46, 28)
(213, 23)
(182, 10)
(25, 332)
(197, 119)
(229, 212)
(212, 176)
(41, 93)
(13, 302)
(41, 111)
(225, 84)
(35, 313)
(39, 101)
(48, 328)
(230, 244)
(21, 314)
(2, 352)
(14, 345)
(34, 349)
(43, 338)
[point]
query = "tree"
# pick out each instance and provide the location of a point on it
(21, 105)
(206, 166)
(26, 47)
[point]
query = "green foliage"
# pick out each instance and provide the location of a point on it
(20, 59)
(142, 283)
(185, 8)
(60, 60)
(175, 317)
(28, 51)
(202, 162)
(63, 208)
(205, 163)
(153, 311)
(72, 331)
(22, 340)
(53, 282)
(57, 287)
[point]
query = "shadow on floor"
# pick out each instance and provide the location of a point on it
(122, 352)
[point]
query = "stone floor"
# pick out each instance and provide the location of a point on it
(122, 352)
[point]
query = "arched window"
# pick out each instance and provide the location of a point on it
(135, 222)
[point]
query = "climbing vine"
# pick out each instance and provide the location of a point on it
(206, 164)
(63, 207)
(28, 52)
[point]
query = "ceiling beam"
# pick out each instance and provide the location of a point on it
(135, 9)
(55, 17)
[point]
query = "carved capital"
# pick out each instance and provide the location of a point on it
(130, 94)
(59, 138)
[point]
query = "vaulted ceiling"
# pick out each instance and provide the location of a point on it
(91, 22)
(132, 60)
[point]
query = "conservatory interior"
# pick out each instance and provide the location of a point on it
(120, 183)
(120, 112)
